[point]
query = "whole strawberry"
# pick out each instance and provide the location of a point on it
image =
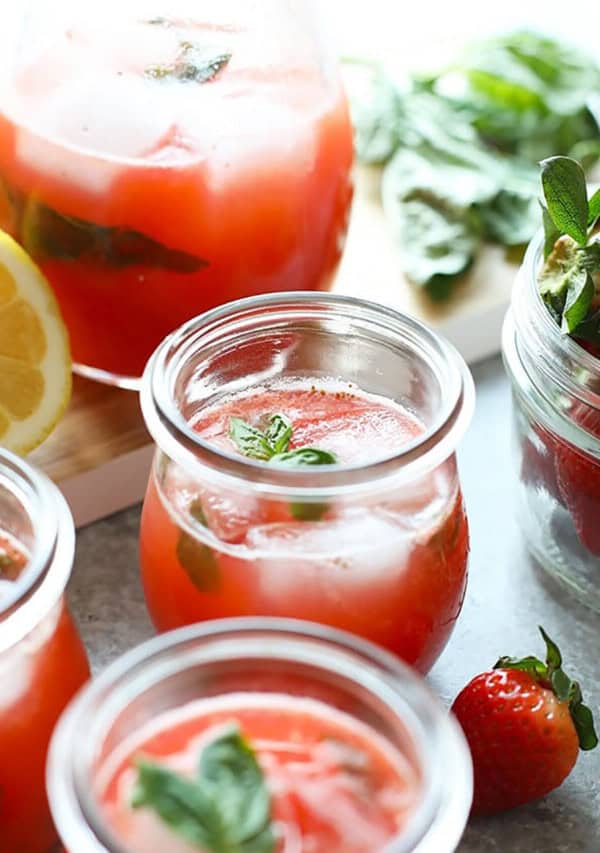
(578, 476)
(525, 723)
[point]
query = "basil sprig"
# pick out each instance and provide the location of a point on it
(272, 444)
(226, 808)
(571, 255)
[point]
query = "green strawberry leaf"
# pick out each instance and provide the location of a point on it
(225, 809)
(563, 182)
(551, 675)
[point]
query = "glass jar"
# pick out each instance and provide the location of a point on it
(556, 394)
(42, 659)
(161, 157)
(379, 549)
(172, 675)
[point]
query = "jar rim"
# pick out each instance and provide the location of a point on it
(443, 812)
(49, 564)
(174, 436)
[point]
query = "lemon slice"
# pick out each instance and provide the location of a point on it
(35, 361)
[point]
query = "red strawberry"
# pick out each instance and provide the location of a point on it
(525, 723)
(578, 476)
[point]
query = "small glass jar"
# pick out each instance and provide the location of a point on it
(264, 658)
(42, 660)
(556, 394)
(378, 549)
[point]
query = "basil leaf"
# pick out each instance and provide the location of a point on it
(509, 218)
(551, 232)
(46, 233)
(376, 119)
(180, 803)
(230, 771)
(580, 292)
(563, 182)
(594, 208)
(304, 456)
(226, 809)
(279, 433)
(589, 256)
(199, 563)
(249, 440)
(306, 511)
(194, 63)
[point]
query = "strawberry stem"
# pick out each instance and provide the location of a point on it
(551, 675)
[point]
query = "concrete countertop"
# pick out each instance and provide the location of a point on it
(507, 598)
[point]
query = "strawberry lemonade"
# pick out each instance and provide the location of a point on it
(297, 519)
(42, 664)
(264, 735)
(158, 163)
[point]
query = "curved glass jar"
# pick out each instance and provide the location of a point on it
(150, 191)
(42, 660)
(378, 549)
(261, 657)
(556, 393)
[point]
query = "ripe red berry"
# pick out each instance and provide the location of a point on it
(525, 723)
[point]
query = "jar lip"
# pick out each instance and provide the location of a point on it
(180, 442)
(45, 576)
(446, 800)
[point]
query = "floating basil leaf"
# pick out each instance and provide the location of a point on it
(225, 809)
(279, 432)
(308, 511)
(45, 233)
(194, 63)
(249, 440)
(196, 558)
(302, 456)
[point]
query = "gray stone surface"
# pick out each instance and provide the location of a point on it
(507, 598)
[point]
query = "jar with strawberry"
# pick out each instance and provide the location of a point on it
(551, 348)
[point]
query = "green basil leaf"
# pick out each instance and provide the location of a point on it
(376, 119)
(580, 293)
(249, 440)
(278, 433)
(225, 809)
(198, 560)
(46, 233)
(230, 771)
(594, 208)
(589, 256)
(563, 182)
(306, 511)
(303, 456)
(551, 232)
(182, 804)
(194, 63)
(509, 218)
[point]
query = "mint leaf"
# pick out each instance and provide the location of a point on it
(249, 440)
(279, 433)
(303, 456)
(563, 182)
(580, 292)
(226, 809)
